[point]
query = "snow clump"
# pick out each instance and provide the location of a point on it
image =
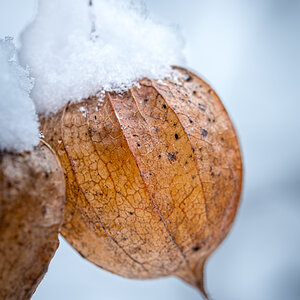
(79, 48)
(19, 127)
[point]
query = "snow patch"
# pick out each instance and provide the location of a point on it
(19, 127)
(76, 50)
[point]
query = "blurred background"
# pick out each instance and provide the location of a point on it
(249, 50)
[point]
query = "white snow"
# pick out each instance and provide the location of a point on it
(19, 128)
(75, 51)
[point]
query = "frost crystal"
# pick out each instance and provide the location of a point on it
(18, 121)
(76, 50)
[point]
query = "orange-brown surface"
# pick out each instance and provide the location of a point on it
(153, 177)
(32, 194)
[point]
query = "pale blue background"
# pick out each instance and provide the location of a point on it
(250, 52)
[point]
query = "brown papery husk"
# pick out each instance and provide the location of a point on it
(153, 177)
(32, 193)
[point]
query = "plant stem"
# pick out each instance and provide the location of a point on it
(93, 23)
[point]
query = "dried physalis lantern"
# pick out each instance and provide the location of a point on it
(153, 177)
(32, 193)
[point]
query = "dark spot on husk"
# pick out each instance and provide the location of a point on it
(204, 132)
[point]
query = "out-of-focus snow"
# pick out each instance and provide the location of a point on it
(18, 120)
(75, 51)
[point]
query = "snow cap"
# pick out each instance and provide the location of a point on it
(19, 128)
(79, 48)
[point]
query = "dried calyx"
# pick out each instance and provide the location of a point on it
(153, 177)
(31, 209)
